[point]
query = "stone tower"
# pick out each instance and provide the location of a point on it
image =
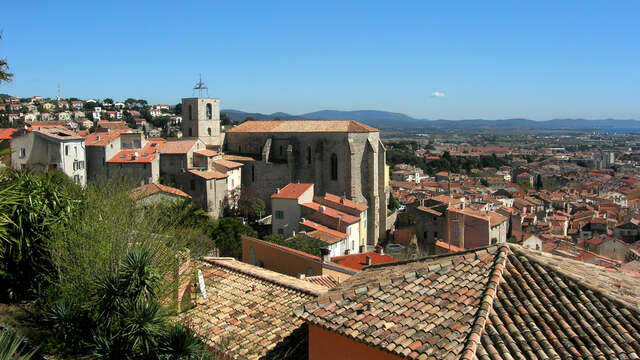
(201, 119)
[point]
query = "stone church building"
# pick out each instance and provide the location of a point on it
(341, 157)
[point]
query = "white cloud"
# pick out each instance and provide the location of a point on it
(438, 94)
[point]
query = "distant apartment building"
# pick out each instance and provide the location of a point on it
(51, 148)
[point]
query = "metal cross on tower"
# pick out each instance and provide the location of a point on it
(200, 86)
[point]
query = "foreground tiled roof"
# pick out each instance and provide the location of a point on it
(496, 303)
(284, 126)
(248, 313)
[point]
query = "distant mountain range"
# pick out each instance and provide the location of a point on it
(388, 120)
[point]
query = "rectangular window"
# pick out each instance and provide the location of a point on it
(23, 152)
(279, 214)
(66, 150)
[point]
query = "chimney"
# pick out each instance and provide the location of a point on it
(322, 208)
(342, 200)
(302, 276)
(368, 260)
(293, 233)
(277, 190)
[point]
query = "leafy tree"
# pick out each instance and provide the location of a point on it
(31, 206)
(250, 205)
(108, 101)
(177, 109)
(113, 299)
(5, 75)
(225, 119)
(227, 236)
(300, 242)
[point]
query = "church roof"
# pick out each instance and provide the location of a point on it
(284, 126)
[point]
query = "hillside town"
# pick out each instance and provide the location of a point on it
(362, 246)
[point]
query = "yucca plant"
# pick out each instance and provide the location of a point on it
(140, 276)
(180, 343)
(13, 346)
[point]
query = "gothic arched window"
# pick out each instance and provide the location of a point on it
(209, 131)
(334, 167)
(209, 111)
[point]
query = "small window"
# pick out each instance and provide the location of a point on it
(253, 173)
(435, 234)
(281, 152)
(190, 118)
(209, 131)
(252, 256)
(66, 150)
(309, 271)
(23, 152)
(192, 184)
(279, 214)
(209, 112)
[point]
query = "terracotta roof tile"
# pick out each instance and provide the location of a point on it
(207, 152)
(150, 189)
(180, 146)
(292, 191)
(359, 261)
(145, 155)
(332, 126)
(211, 174)
(504, 302)
(249, 310)
(226, 165)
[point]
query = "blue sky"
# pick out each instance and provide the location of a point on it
(489, 59)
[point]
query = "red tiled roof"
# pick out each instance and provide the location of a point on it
(206, 152)
(324, 233)
(145, 155)
(150, 189)
(228, 165)
(211, 174)
(332, 126)
(359, 261)
(292, 191)
(333, 213)
(180, 146)
(103, 138)
(340, 202)
(6, 134)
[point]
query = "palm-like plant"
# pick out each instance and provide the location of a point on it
(13, 346)
(178, 342)
(141, 278)
(143, 325)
